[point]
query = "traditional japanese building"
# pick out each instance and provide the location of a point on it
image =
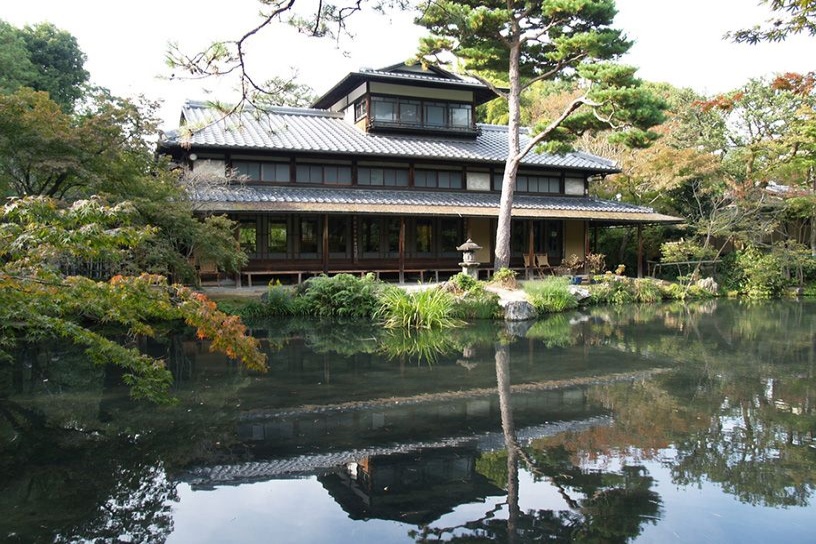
(388, 172)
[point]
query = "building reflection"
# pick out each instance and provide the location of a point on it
(416, 488)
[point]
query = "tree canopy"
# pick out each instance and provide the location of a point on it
(44, 58)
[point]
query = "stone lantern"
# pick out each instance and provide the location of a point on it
(469, 264)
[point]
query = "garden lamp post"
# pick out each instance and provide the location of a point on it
(469, 264)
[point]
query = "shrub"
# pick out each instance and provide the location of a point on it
(551, 295)
(423, 309)
(647, 290)
(505, 277)
(685, 250)
(761, 274)
(342, 295)
(595, 262)
(464, 282)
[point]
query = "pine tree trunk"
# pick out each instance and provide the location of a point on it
(502, 252)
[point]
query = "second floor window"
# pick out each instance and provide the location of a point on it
(386, 177)
(526, 183)
(323, 173)
(420, 113)
(438, 179)
(262, 171)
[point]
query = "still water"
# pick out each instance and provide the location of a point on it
(662, 423)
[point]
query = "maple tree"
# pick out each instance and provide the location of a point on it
(41, 238)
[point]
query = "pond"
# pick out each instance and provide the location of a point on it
(659, 423)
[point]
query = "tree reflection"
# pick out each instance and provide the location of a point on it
(603, 506)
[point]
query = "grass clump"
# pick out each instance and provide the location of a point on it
(612, 290)
(423, 309)
(551, 295)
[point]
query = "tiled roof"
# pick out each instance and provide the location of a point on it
(465, 203)
(320, 131)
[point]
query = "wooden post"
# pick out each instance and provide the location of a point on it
(586, 246)
(640, 250)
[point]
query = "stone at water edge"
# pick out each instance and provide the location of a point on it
(519, 310)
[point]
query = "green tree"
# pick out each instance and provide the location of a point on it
(58, 61)
(40, 240)
(510, 46)
(104, 149)
(43, 58)
(15, 65)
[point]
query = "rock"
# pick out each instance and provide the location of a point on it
(518, 310)
(580, 293)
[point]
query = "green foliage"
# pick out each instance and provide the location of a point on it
(422, 309)
(343, 295)
(551, 295)
(762, 276)
(38, 300)
(104, 150)
(685, 250)
(58, 61)
(43, 58)
(280, 300)
(647, 290)
(612, 290)
(464, 282)
(672, 291)
(504, 277)
(477, 304)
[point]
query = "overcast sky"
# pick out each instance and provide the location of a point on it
(678, 41)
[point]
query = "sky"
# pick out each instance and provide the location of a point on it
(676, 41)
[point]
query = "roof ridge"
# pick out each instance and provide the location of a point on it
(291, 110)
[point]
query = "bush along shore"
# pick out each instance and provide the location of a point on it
(460, 299)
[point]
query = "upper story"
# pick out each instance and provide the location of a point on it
(399, 128)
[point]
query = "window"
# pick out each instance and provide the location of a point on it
(423, 235)
(277, 236)
(388, 177)
(546, 184)
(434, 114)
(275, 172)
(388, 110)
(441, 179)
(248, 237)
(392, 230)
(339, 236)
(360, 109)
(409, 112)
(308, 236)
(370, 235)
(385, 109)
(262, 171)
(250, 170)
(459, 115)
(319, 173)
(450, 236)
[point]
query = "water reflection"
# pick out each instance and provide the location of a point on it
(589, 426)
